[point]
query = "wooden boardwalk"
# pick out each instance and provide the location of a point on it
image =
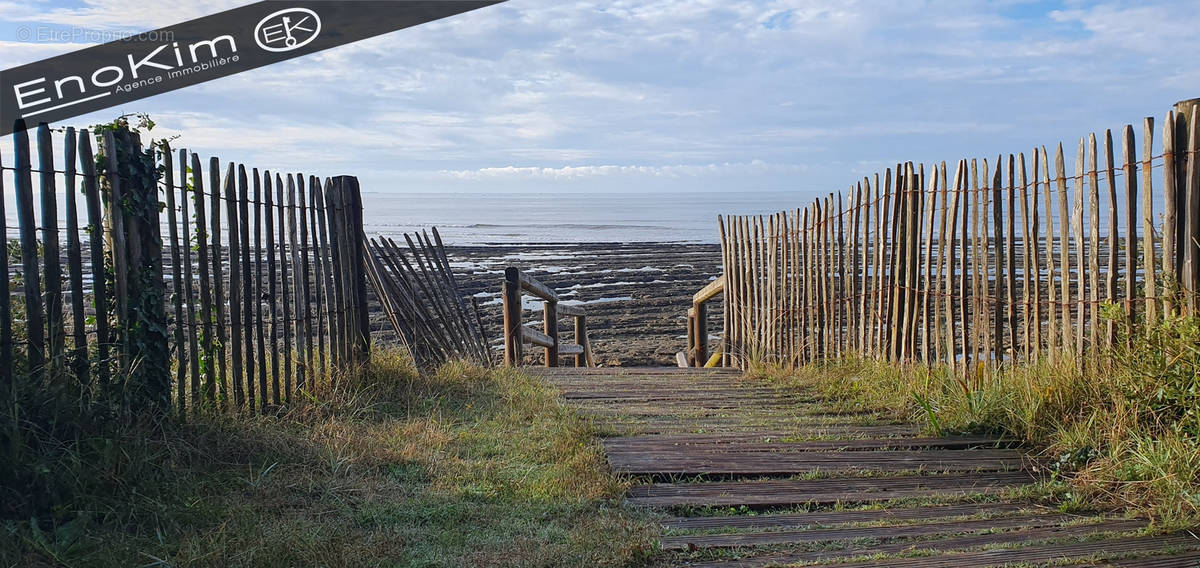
(746, 474)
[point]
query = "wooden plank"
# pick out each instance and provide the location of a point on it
(1000, 314)
(1052, 328)
(866, 305)
(710, 290)
(304, 272)
(571, 310)
(261, 288)
(697, 444)
(325, 272)
(946, 249)
(967, 310)
(530, 335)
(784, 493)
(843, 517)
(222, 364)
(1149, 263)
(550, 320)
(249, 300)
(52, 278)
(1110, 274)
(235, 290)
(269, 210)
(6, 332)
(181, 353)
(930, 346)
(1131, 236)
(987, 550)
(1093, 187)
(318, 284)
(1031, 271)
(914, 530)
(1010, 262)
(1191, 187)
(299, 301)
(95, 217)
(570, 349)
(116, 233)
(286, 321)
(35, 334)
(1064, 252)
(773, 463)
(531, 285)
(1080, 253)
(1171, 226)
(513, 338)
(208, 341)
(79, 347)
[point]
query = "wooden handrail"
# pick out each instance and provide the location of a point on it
(712, 289)
(697, 349)
(517, 334)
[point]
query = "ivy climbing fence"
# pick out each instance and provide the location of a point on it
(976, 262)
(169, 285)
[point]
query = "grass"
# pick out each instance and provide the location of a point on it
(460, 467)
(1121, 429)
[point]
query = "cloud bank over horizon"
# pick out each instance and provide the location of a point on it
(667, 95)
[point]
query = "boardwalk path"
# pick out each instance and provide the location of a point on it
(709, 448)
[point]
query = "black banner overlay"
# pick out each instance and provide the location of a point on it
(201, 50)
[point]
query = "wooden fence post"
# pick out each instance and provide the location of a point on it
(701, 332)
(512, 316)
(143, 322)
(352, 241)
(550, 317)
(1187, 179)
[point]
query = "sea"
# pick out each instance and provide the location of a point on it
(508, 218)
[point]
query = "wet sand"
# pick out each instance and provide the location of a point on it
(636, 294)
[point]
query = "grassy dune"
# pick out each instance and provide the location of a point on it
(459, 467)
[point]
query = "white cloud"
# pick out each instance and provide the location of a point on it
(668, 91)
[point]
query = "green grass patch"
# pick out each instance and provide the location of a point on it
(1119, 429)
(462, 467)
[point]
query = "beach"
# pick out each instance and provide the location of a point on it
(636, 294)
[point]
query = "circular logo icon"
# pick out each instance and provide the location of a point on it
(288, 29)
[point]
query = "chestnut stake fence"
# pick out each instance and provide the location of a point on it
(187, 286)
(978, 261)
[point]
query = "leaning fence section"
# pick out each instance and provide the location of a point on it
(980, 261)
(419, 294)
(201, 283)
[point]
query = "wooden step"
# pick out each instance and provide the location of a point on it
(1070, 547)
(783, 493)
(746, 539)
(829, 518)
(686, 463)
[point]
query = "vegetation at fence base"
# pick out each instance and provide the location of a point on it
(142, 329)
(1122, 429)
(462, 466)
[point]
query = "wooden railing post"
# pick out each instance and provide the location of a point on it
(512, 316)
(690, 354)
(701, 333)
(582, 359)
(550, 317)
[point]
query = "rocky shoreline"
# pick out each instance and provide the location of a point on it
(636, 294)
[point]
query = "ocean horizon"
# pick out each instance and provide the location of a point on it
(510, 218)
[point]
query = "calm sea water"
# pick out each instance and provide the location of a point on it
(575, 217)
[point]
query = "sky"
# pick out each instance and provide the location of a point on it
(660, 96)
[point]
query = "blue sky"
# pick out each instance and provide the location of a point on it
(671, 95)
